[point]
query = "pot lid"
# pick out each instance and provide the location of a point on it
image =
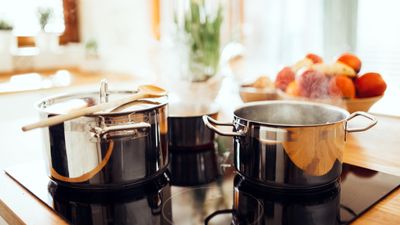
(66, 103)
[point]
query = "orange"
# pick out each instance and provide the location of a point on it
(350, 60)
(293, 89)
(342, 86)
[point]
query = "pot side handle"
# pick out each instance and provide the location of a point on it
(365, 115)
(210, 122)
(102, 131)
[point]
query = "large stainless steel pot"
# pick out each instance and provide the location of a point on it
(289, 144)
(110, 149)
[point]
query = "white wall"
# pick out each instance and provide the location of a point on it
(122, 30)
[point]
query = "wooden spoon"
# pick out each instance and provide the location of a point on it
(144, 91)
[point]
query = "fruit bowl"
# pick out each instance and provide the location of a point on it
(351, 105)
(361, 104)
(338, 83)
(251, 94)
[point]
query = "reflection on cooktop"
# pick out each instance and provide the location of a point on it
(134, 206)
(229, 199)
(233, 200)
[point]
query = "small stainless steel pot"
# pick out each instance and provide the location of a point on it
(110, 149)
(186, 129)
(289, 144)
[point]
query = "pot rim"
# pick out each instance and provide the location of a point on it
(211, 110)
(38, 103)
(197, 116)
(271, 102)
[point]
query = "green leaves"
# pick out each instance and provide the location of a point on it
(4, 25)
(203, 31)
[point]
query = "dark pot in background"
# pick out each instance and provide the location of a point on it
(191, 144)
(186, 128)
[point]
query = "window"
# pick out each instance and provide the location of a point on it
(23, 14)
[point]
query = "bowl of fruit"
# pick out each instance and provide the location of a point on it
(261, 89)
(338, 83)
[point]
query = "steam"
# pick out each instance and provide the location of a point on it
(290, 113)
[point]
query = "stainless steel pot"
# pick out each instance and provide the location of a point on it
(186, 129)
(289, 144)
(110, 149)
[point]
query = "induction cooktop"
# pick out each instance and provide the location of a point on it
(192, 193)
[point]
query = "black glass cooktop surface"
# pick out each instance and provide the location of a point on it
(194, 191)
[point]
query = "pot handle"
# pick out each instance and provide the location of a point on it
(101, 131)
(363, 114)
(210, 122)
(88, 175)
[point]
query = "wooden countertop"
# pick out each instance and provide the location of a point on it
(377, 149)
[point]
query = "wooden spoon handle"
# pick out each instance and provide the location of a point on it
(82, 112)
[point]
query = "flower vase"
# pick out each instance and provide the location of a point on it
(198, 45)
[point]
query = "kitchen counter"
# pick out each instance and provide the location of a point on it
(377, 148)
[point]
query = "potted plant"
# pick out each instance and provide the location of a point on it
(92, 62)
(46, 40)
(198, 38)
(5, 45)
(5, 35)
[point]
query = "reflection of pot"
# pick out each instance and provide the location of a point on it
(106, 149)
(141, 205)
(283, 208)
(358, 171)
(193, 167)
(289, 144)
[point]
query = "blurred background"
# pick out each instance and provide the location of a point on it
(53, 46)
(133, 37)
